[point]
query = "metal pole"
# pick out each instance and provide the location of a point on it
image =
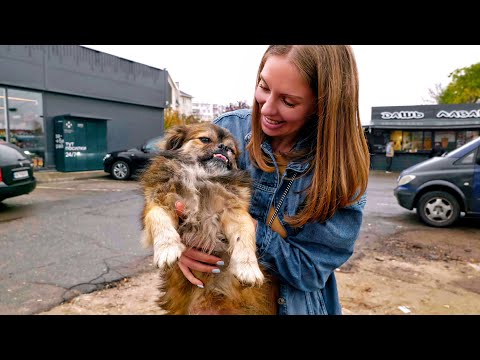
(7, 123)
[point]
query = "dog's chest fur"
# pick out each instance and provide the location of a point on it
(208, 194)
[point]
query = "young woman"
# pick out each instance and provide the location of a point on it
(304, 146)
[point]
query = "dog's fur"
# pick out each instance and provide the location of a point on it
(197, 165)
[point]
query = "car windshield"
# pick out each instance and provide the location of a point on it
(150, 145)
(454, 152)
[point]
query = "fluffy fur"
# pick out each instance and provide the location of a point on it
(197, 165)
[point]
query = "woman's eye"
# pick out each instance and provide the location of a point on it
(288, 104)
(205, 140)
(262, 86)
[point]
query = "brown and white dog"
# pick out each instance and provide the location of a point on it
(197, 165)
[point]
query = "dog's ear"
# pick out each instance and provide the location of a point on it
(175, 137)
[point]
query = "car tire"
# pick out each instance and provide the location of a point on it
(438, 209)
(121, 170)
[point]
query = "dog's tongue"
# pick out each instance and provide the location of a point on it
(220, 156)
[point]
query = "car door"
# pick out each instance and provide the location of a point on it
(147, 152)
(476, 185)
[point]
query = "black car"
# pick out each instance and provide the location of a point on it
(16, 172)
(441, 188)
(123, 164)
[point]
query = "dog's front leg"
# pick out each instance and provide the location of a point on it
(160, 230)
(240, 232)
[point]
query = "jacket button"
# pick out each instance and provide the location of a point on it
(281, 301)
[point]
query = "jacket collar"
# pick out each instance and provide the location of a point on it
(298, 166)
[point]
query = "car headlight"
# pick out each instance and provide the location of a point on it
(106, 156)
(405, 179)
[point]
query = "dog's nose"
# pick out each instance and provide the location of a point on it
(221, 147)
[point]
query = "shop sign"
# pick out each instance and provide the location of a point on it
(402, 115)
(459, 114)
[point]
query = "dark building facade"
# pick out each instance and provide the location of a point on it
(40, 84)
(415, 130)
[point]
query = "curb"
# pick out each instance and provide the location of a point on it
(53, 176)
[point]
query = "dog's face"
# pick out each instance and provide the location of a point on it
(206, 143)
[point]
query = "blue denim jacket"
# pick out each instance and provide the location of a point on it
(305, 261)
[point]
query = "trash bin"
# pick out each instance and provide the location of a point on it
(80, 143)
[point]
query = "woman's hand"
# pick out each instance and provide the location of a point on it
(193, 259)
(198, 260)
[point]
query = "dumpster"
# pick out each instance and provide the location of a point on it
(80, 143)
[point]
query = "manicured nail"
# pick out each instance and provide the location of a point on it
(220, 263)
(200, 286)
(215, 271)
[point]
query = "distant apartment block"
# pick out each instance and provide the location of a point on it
(207, 111)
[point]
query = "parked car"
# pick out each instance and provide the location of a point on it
(441, 188)
(124, 164)
(16, 172)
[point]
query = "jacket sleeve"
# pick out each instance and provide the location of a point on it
(306, 260)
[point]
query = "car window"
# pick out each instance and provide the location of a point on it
(151, 144)
(10, 155)
(467, 159)
(456, 151)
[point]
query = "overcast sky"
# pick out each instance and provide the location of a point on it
(390, 75)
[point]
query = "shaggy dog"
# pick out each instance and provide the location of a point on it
(197, 165)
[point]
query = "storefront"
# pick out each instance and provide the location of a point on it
(39, 83)
(415, 129)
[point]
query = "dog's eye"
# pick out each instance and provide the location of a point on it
(205, 140)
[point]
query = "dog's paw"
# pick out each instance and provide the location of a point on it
(166, 254)
(247, 272)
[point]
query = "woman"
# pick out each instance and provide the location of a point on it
(304, 146)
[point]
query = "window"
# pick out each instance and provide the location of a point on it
(470, 135)
(446, 139)
(467, 159)
(427, 140)
(397, 136)
(25, 119)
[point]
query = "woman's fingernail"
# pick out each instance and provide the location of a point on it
(220, 263)
(200, 286)
(215, 271)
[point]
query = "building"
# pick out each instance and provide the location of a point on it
(415, 129)
(207, 111)
(99, 101)
(178, 100)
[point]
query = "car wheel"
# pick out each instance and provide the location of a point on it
(438, 208)
(120, 170)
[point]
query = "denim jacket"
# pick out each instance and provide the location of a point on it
(304, 262)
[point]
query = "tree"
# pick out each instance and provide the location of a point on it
(174, 118)
(239, 105)
(464, 87)
(434, 94)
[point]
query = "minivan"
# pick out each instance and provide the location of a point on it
(443, 187)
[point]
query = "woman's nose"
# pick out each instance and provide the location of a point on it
(268, 107)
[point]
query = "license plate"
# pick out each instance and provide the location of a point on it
(20, 174)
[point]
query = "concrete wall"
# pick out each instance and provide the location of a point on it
(130, 125)
(76, 70)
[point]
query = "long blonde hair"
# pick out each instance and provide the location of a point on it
(339, 156)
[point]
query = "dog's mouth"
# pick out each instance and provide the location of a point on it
(218, 158)
(221, 157)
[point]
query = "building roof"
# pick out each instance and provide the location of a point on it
(184, 94)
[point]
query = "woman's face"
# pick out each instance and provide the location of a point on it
(286, 101)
